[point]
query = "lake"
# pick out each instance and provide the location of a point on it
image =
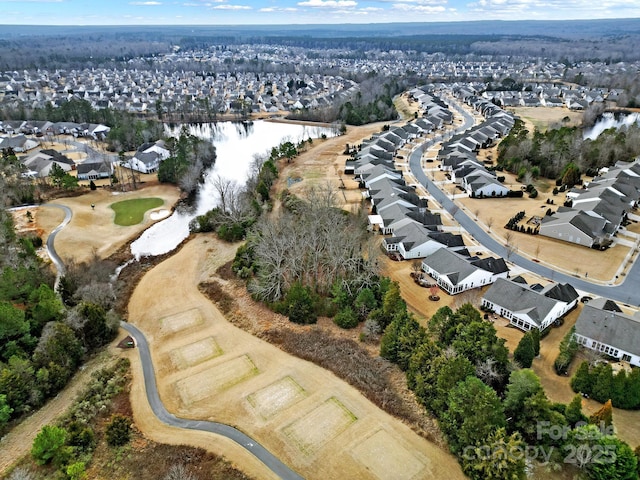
(236, 145)
(610, 120)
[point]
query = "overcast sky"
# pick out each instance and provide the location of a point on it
(229, 12)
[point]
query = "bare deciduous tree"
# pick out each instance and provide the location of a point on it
(21, 473)
(179, 472)
(489, 223)
(487, 371)
(317, 245)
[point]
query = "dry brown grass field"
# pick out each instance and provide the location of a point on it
(208, 368)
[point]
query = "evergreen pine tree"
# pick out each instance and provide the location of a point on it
(524, 352)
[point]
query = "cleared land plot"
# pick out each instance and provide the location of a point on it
(220, 377)
(195, 353)
(272, 399)
(544, 117)
(310, 432)
(180, 321)
(375, 454)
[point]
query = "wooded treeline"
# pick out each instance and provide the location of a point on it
(497, 418)
(43, 337)
(556, 152)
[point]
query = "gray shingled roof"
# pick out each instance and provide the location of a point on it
(520, 299)
(613, 328)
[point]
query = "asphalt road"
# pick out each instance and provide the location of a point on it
(626, 292)
(158, 408)
(51, 251)
(161, 412)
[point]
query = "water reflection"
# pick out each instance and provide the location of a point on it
(236, 144)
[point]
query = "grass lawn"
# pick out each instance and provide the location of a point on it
(131, 212)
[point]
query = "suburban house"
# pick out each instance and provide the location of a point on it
(94, 170)
(481, 184)
(597, 211)
(526, 307)
(606, 329)
(40, 164)
(456, 273)
(416, 241)
(575, 226)
(148, 157)
(19, 143)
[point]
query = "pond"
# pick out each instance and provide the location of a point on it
(611, 120)
(236, 145)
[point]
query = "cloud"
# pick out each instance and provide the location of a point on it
(328, 3)
(231, 7)
(419, 8)
(145, 4)
(278, 9)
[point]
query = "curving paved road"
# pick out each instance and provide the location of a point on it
(153, 397)
(626, 292)
(51, 251)
(161, 412)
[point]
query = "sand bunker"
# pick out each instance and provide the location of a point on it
(159, 214)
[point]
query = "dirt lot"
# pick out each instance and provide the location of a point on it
(208, 368)
(493, 214)
(543, 118)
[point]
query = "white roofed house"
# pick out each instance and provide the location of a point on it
(148, 157)
(603, 327)
(526, 307)
(455, 273)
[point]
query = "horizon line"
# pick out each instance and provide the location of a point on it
(320, 24)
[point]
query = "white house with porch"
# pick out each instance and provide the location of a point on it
(455, 273)
(526, 307)
(609, 331)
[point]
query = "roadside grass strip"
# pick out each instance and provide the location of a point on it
(272, 399)
(381, 453)
(220, 377)
(195, 353)
(131, 212)
(310, 432)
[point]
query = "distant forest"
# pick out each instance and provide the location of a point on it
(610, 41)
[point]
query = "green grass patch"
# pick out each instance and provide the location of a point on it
(131, 212)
